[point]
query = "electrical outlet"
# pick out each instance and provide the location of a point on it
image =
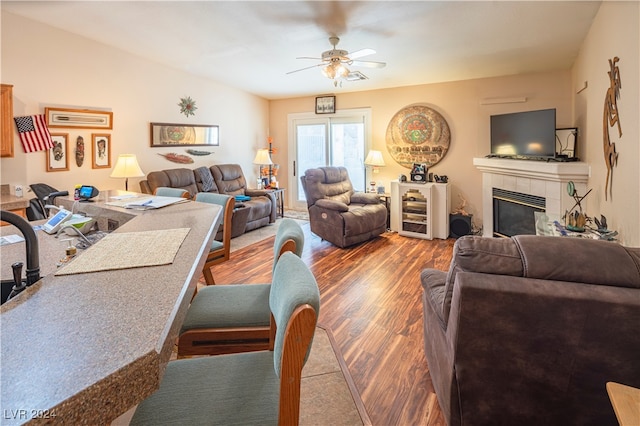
(18, 191)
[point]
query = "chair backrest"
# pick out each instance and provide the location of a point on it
(227, 202)
(289, 237)
(327, 182)
(294, 301)
(164, 191)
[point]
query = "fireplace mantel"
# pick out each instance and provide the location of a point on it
(540, 178)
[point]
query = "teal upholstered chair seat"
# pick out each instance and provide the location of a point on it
(233, 305)
(254, 388)
(216, 245)
(235, 317)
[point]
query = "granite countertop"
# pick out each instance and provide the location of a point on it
(85, 348)
(11, 202)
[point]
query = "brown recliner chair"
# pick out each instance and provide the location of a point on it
(337, 213)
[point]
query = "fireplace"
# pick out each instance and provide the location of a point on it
(530, 186)
(513, 213)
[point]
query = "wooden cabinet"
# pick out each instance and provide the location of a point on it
(6, 121)
(420, 210)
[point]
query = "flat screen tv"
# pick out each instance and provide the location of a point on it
(528, 135)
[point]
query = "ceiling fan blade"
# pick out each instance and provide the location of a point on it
(360, 53)
(309, 57)
(306, 68)
(368, 64)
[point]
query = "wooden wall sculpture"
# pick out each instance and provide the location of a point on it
(611, 118)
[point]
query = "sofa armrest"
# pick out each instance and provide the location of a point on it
(365, 198)
(145, 188)
(256, 192)
(332, 205)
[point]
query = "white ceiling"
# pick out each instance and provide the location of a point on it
(252, 45)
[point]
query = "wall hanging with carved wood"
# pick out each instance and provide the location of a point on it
(610, 118)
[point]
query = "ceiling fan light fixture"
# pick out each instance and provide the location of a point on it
(335, 70)
(329, 71)
(342, 71)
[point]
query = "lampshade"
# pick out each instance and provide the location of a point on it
(374, 158)
(127, 166)
(262, 157)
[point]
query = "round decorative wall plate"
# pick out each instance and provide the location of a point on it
(418, 134)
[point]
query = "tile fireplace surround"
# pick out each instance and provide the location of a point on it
(540, 178)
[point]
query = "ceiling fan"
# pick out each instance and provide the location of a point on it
(334, 62)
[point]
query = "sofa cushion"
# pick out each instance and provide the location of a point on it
(173, 178)
(592, 261)
(479, 254)
(328, 182)
(229, 178)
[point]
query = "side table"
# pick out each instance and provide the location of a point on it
(279, 193)
(386, 200)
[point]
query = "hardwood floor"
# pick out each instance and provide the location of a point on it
(371, 300)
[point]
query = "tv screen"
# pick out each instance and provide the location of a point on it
(524, 134)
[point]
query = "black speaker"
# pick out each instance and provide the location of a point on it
(459, 225)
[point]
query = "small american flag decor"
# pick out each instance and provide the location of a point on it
(34, 133)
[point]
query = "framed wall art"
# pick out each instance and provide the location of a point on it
(169, 134)
(100, 151)
(78, 118)
(418, 134)
(325, 105)
(58, 156)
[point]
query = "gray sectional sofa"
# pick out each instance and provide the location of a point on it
(228, 179)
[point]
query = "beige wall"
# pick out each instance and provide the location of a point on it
(615, 32)
(49, 67)
(459, 104)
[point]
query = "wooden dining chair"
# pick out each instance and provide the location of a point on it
(219, 251)
(234, 318)
(251, 388)
(164, 191)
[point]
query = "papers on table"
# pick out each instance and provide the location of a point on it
(146, 203)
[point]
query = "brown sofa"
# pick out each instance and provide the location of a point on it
(529, 330)
(337, 213)
(227, 179)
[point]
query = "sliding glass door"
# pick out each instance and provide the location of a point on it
(339, 140)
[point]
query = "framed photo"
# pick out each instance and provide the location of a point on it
(419, 172)
(78, 118)
(169, 134)
(101, 151)
(58, 156)
(325, 105)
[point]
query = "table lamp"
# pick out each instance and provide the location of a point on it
(263, 159)
(127, 166)
(374, 159)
